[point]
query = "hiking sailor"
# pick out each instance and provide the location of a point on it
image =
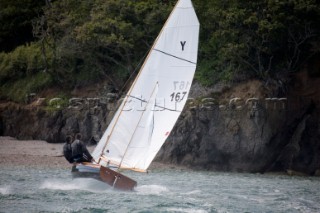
(67, 150)
(80, 152)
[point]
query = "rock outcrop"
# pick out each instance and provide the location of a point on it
(30, 123)
(244, 128)
(252, 131)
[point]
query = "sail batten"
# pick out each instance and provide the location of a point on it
(146, 117)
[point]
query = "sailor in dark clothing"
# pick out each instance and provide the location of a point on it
(67, 150)
(79, 151)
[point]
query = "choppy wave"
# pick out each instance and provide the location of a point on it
(5, 190)
(54, 190)
(185, 210)
(192, 192)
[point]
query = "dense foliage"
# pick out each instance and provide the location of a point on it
(15, 24)
(78, 42)
(261, 38)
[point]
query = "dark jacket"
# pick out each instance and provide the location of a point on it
(67, 152)
(80, 152)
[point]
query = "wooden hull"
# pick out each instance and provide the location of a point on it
(101, 173)
(116, 179)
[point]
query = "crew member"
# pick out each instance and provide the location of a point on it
(80, 152)
(67, 150)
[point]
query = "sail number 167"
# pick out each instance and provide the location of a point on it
(181, 86)
(178, 96)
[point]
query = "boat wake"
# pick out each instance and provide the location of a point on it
(94, 186)
(83, 184)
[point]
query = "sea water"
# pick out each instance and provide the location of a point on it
(161, 190)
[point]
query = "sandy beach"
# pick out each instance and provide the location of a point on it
(37, 153)
(33, 153)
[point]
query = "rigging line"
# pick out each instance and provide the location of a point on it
(162, 107)
(140, 99)
(135, 129)
(128, 80)
(182, 59)
(134, 71)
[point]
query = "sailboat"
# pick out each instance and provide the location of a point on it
(151, 107)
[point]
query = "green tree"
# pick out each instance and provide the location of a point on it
(15, 22)
(264, 39)
(80, 42)
(91, 39)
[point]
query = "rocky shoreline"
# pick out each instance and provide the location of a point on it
(41, 154)
(249, 127)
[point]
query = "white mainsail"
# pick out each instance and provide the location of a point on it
(153, 104)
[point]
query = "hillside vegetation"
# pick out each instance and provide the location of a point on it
(74, 43)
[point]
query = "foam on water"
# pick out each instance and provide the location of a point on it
(185, 210)
(151, 189)
(84, 184)
(5, 190)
